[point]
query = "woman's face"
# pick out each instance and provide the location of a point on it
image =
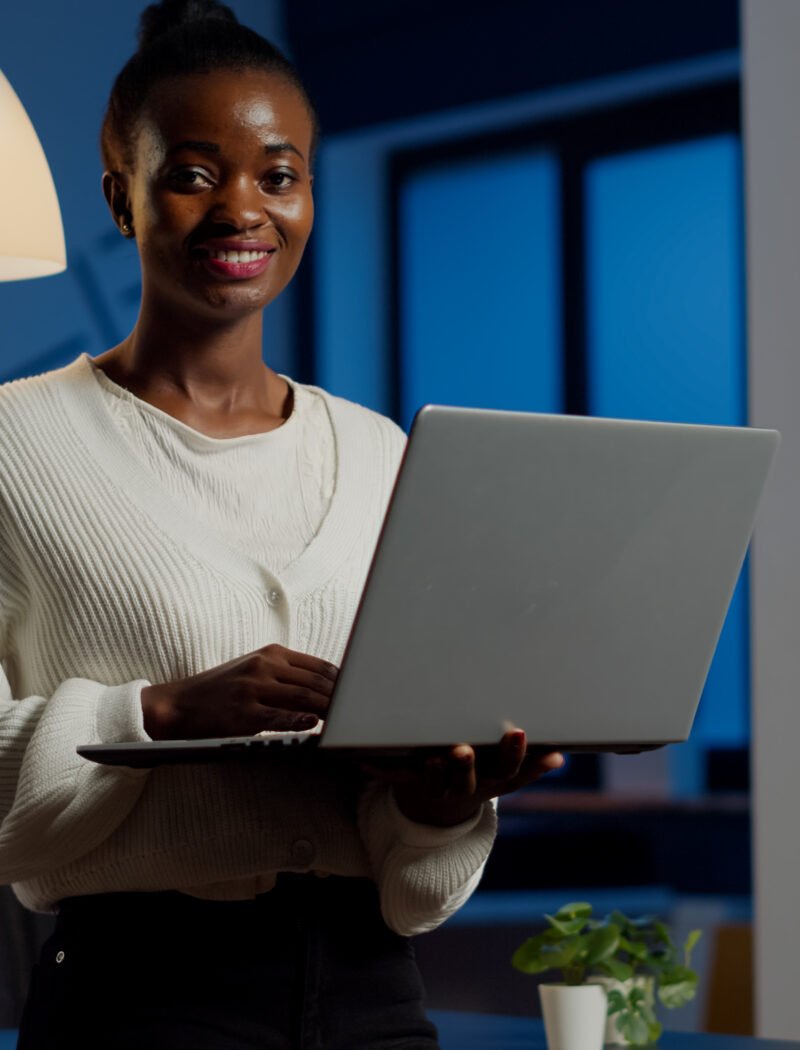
(220, 194)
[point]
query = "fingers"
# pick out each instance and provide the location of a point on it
(278, 720)
(295, 698)
(462, 777)
(458, 770)
(450, 774)
(426, 772)
(453, 782)
(437, 777)
(270, 688)
(505, 761)
(285, 678)
(300, 682)
(314, 680)
(306, 662)
(533, 767)
(498, 771)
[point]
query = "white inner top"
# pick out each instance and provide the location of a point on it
(265, 494)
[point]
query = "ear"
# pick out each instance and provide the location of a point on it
(115, 191)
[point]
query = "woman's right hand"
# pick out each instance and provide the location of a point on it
(271, 688)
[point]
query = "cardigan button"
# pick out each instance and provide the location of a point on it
(273, 596)
(302, 852)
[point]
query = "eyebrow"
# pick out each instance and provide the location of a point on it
(270, 148)
(282, 147)
(195, 146)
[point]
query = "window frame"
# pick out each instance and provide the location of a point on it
(575, 141)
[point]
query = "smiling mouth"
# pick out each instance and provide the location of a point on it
(230, 256)
(232, 264)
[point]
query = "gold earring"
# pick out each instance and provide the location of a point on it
(127, 230)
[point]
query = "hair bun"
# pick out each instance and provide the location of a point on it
(160, 18)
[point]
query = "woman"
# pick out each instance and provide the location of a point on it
(185, 536)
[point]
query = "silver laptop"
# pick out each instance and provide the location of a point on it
(563, 574)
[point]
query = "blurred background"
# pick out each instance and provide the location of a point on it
(523, 205)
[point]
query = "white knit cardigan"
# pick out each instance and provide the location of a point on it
(107, 585)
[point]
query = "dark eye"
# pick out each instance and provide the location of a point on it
(189, 178)
(280, 180)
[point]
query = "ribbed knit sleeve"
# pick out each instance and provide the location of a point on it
(424, 874)
(55, 806)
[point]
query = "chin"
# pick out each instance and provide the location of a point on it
(234, 301)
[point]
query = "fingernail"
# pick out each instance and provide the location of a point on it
(306, 722)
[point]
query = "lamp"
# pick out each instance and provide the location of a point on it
(31, 232)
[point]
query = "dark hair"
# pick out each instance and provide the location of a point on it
(179, 37)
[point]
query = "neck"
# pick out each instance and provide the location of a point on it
(211, 376)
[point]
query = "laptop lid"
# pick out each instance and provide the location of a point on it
(568, 575)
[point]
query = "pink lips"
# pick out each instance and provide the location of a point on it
(236, 271)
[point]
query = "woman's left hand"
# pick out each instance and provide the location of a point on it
(452, 786)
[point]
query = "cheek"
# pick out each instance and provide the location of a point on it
(297, 215)
(162, 217)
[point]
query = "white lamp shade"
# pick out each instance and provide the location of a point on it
(31, 232)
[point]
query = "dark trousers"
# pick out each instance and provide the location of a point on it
(308, 966)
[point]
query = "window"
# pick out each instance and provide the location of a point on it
(479, 285)
(619, 294)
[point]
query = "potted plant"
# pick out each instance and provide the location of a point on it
(634, 961)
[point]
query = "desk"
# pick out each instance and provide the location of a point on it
(462, 1031)
(458, 1031)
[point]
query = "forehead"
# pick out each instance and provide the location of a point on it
(226, 106)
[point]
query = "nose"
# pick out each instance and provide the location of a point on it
(240, 203)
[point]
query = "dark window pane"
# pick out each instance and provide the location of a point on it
(665, 337)
(480, 285)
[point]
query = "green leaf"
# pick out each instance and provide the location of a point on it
(602, 944)
(528, 957)
(662, 934)
(677, 987)
(566, 927)
(691, 941)
(637, 998)
(636, 949)
(557, 956)
(575, 910)
(620, 971)
(654, 1030)
(616, 1001)
(659, 959)
(677, 994)
(634, 1027)
(574, 974)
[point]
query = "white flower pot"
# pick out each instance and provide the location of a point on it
(574, 1015)
(613, 1036)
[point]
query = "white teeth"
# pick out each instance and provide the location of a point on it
(237, 257)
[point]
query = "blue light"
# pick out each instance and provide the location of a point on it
(665, 331)
(480, 285)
